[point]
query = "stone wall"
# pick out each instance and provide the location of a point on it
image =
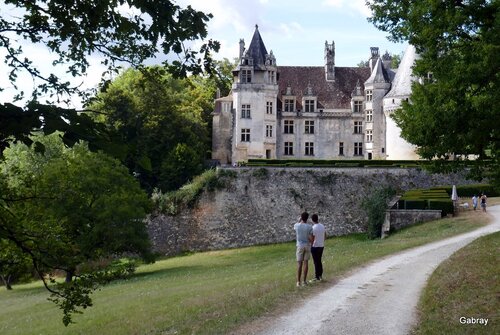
(261, 205)
(395, 219)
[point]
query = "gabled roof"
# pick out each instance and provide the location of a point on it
(401, 86)
(330, 94)
(257, 49)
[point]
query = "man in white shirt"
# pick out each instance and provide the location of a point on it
(303, 232)
(319, 235)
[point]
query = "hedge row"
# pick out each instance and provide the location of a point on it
(445, 205)
(435, 198)
(355, 162)
(472, 189)
(332, 163)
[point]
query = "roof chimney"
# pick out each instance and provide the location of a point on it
(242, 47)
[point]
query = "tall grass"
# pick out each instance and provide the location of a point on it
(211, 292)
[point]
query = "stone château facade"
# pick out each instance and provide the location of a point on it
(311, 112)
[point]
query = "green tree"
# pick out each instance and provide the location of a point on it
(453, 110)
(68, 209)
(375, 206)
(117, 31)
(396, 60)
(14, 265)
(161, 119)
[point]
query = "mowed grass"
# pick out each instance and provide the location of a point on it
(211, 292)
(466, 285)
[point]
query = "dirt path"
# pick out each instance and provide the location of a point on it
(378, 299)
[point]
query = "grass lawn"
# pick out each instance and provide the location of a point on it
(466, 285)
(211, 292)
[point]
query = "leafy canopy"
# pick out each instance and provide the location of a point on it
(118, 32)
(453, 110)
(69, 208)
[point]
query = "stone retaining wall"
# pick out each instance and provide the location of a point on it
(261, 205)
(395, 219)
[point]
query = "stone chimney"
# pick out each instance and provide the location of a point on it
(330, 61)
(242, 47)
(387, 60)
(374, 56)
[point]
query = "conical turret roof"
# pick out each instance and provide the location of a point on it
(379, 74)
(401, 86)
(257, 49)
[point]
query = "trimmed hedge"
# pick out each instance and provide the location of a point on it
(470, 190)
(435, 198)
(334, 162)
(446, 206)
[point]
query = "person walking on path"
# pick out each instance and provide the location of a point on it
(483, 202)
(318, 244)
(474, 202)
(303, 232)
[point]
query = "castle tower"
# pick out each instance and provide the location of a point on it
(330, 61)
(255, 91)
(376, 87)
(397, 147)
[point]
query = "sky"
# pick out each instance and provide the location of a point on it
(294, 30)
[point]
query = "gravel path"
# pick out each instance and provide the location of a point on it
(378, 299)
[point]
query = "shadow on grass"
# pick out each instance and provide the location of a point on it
(178, 270)
(25, 289)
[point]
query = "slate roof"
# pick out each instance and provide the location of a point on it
(331, 94)
(379, 74)
(401, 85)
(257, 49)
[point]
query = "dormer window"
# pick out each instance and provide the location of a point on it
(309, 105)
(246, 76)
(289, 105)
(358, 106)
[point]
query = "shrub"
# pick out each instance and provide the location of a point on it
(375, 206)
(172, 203)
(261, 173)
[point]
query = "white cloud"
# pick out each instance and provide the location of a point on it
(290, 29)
(333, 3)
(358, 6)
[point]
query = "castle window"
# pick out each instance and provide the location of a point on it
(289, 105)
(288, 149)
(269, 130)
(246, 76)
(358, 127)
(269, 107)
(309, 106)
(245, 111)
(341, 148)
(358, 106)
(309, 149)
(369, 136)
(288, 128)
(358, 148)
(245, 135)
(369, 95)
(309, 127)
(369, 116)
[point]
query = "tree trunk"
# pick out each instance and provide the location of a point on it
(7, 282)
(69, 276)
